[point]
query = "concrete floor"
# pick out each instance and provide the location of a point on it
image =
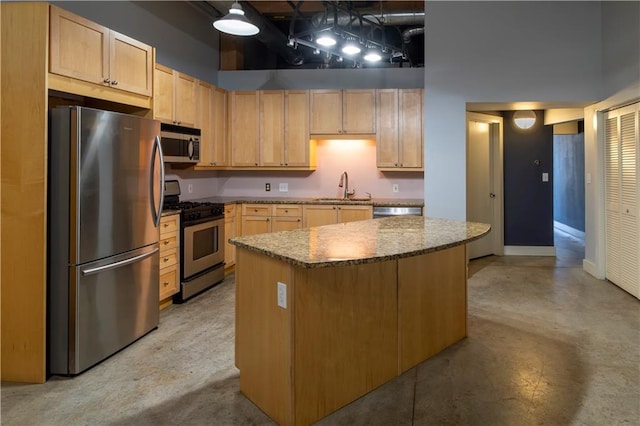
(548, 344)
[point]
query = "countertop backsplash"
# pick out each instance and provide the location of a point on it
(356, 157)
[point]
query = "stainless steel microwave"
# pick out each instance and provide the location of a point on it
(180, 144)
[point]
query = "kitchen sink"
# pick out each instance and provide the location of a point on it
(336, 199)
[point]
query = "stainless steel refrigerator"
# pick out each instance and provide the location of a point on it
(106, 183)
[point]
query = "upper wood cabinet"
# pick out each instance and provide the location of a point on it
(244, 128)
(86, 51)
(399, 140)
(343, 112)
(212, 120)
(284, 128)
(174, 97)
(270, 128)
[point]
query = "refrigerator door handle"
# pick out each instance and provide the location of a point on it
(157, 150)
(119, 264)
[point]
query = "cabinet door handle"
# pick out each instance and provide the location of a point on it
(114, 83)
(106, 80)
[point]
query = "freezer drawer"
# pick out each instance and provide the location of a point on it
(112, 302)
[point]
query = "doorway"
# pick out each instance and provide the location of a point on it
(484, 182)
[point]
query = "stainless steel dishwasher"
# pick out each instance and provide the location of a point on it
(386, 211)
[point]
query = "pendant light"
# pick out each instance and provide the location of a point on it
(235, 23)
(350, 47)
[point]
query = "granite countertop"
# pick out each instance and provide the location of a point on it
(404, 202)
(364, 241)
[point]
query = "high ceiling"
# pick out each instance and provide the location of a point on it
(289, 29)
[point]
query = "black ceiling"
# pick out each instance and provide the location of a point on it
(287, 31)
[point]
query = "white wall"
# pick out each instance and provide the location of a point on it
(498, 52)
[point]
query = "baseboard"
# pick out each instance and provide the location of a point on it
(590, 268)
(529, 251)
(569, 230)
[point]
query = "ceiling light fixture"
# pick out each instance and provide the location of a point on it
(372, 55)
(326, 40)
(524, 119)
(235, 23)
(350, 48)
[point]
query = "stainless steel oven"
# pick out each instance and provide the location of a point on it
(201, 242)
(203, 246)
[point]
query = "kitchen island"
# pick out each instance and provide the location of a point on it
(326, 314)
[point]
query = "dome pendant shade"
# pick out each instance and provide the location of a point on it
(235, 23)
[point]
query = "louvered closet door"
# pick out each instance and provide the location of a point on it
(622, 196)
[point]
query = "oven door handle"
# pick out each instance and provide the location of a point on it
(157, 151)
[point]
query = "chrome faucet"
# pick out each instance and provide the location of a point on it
(344, 183)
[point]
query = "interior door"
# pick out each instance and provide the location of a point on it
(483, 189)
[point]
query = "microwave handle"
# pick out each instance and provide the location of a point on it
(190, 149)
(157, 151)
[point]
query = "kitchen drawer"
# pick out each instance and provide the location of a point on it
(256, 210)
(168, 282)
(169, 223)
(168, 241)
(229, 210)
(288, 210)
(168, 258)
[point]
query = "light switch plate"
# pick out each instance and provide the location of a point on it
(545, 177)
(588, 178)
(282, 295)
(284, 187)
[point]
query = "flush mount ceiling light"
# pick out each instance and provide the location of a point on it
(524, 119)
(235, 23)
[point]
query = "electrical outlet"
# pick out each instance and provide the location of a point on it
(396, 188)
(284, 187)
(282, 295)
(190, 188)
(267, 187)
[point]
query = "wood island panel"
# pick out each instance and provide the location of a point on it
(263, 334)
(432, 304)
(345, 335)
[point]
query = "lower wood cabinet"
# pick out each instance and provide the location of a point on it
(264, 218)
(169, 283)
(329, 214)
(230, 227)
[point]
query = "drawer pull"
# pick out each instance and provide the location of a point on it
(166, 242)
(286, 211)
(166, 225)
(166, 283)
(166, 259)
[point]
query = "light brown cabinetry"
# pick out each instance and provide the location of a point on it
(329, 214)
(343, 112)
(286, 217)
(264, 218)
(229, 232)
(244, 129)
(174, 97)
(212, 121)
(169, 256)
(399, 141)
(281, 136)
(83, 50)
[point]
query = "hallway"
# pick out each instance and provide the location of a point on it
(547, 344)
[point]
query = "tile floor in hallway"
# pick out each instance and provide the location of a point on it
(548, 344)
